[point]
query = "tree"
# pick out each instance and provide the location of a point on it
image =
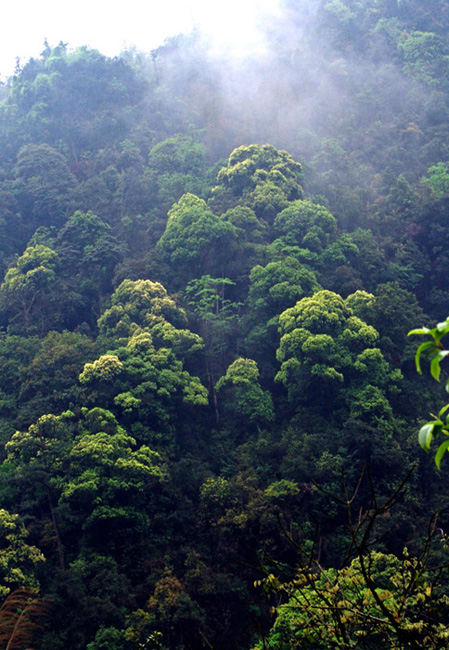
(106, 475)
(149, 386)
(195, 240)
(424, 56)
(39, 457)
(27, 288)
(176, 166)
(242, 397)
(90, 472)
(327, 350)
(253, 165)
(277, 286)
(16, 353)
(18, 559)
(139, 304)
(49, 381)
(373, 599)
(437, 179)
(305, 224)
(43, 184)
(143, 375)
(217, 323)
(248, 226)
(88, 252)
(273, 289)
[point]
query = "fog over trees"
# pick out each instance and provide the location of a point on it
(211, 418)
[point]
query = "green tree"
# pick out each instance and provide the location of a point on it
(26, 291)
(424, 56)
(49, 382)
(217, 323)
(273, 288)
(149, 386)
(326, 350)
(39, 458)
(195, 240)
(18, 559)
(371, 599)
(139, 304)
(437, 179)
(43, 184)
(176, 166)
(106, 475)
(378, 601)
(91, 474)
(254, 165)
(88, 252)
(243, 399)
(306, 225)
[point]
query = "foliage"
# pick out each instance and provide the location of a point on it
(435, 351)
(372, 600)
(437, 179)
(26, 290)
(195, 239)
(388, 601)
(305, 225)
(325, 346)
(242, 395)
(197, 327)
(18, 558)
(252, 166)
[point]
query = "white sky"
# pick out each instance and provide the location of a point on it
(109, 25)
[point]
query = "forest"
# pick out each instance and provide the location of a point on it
(213, 424)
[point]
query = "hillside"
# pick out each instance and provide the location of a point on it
(209, 406)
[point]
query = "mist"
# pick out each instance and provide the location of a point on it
(311, 85)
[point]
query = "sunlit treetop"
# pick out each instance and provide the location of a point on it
(138, 304)
(253, 165)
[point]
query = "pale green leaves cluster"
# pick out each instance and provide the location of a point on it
(105, 368)
(386, 602)
(17, 558)
(144, 371)
(138, 304)
(323, 339)
(33, 269)
(253, 165)
(437, 179)
(88, 461)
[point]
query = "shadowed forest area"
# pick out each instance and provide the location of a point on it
(209, 406)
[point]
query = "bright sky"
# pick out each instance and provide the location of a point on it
(111, 26)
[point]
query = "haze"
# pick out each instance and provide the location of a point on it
(233, 26)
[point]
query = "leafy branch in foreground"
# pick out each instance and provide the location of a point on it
(434, 351)
(374, 600)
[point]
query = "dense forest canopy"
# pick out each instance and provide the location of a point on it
(209, 405)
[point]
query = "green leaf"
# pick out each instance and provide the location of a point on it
(422, 330)
(435, 369)
(424, 346)
(443, 327)
(425, 436)
(443, 411)
(440, 453)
